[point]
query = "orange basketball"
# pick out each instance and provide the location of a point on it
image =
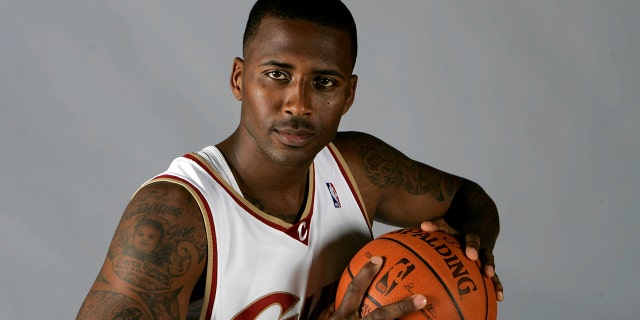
(429, 263)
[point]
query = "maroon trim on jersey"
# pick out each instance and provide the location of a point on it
(285, 300)
(352, 184)
(213, 256)
(297, 231)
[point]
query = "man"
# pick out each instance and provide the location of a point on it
(262, 224)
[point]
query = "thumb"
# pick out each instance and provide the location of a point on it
(437, 224)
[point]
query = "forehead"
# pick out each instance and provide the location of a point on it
(278, 39)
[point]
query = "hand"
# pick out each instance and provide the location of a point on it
(352, 300)
(473, 250)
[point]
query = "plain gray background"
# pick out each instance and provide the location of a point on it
(538, 101)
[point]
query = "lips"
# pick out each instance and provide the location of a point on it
(294, 137)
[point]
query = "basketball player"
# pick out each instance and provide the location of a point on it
(261, 225)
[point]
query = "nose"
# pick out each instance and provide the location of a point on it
(298, 101)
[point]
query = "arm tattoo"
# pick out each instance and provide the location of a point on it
(162, 303)
(113, 306)
(160, 238)
(386, 167)
(156, 241)
(102, 278)
(117, 306)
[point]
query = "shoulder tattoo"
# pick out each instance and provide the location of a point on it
(160, 237)
(387, 167)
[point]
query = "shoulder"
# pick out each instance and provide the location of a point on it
(158, 253)
(352, 143)
(171, 209)
(370, 161)
(360, 149)
(162, 191)
(163, 200)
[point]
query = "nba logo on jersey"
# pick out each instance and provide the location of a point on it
(334, 195)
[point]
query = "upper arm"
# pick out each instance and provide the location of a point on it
(156, 256)
(396, 189)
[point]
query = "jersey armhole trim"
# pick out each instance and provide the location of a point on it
(351, 181)
(212, 257)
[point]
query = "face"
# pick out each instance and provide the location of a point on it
(146, 238)
(295, 83)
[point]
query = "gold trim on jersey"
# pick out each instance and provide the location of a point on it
(206, 216)
(250, 207)
(342, 163)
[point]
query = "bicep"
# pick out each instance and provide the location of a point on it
(156, 256)
(396, 189)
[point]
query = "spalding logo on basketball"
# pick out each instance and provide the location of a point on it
(429, 263)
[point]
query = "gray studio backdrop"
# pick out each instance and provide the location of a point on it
(538, 101)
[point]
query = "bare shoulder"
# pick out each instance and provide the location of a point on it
(372, 163)
(394, 187)
(370, 159)
(359, 144)
(353, 145)
(168, 209)
(384, 166)
(156, 256)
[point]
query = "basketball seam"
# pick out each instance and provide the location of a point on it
(486, 294)
(433, 271)
(371, 298)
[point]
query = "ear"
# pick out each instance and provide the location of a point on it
(236, 78)
(351, 94)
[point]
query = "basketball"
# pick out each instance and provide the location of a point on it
(428, 263)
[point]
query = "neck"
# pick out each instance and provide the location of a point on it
(275, 189)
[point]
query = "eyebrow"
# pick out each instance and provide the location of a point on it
(284, 65)
(277, 64)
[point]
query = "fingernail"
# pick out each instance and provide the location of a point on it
(472, 254)
(376, 260)
(427, 225)
(490, 272)
(419, 301)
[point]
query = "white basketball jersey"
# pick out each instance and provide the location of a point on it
(260, 267)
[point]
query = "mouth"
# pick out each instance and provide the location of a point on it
(294, 137)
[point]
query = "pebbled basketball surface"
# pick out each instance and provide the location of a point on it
(430, 263)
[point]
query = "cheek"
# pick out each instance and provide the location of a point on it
(330, 115)
(333, 104)
(261, 102)
(334, 100)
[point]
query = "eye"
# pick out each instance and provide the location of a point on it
(276, 75)
(324, 82)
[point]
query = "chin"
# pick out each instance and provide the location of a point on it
(293, 157)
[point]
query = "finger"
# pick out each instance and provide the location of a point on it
(356, 290)
(472, 246)
(489, 268)
(498, 286)
(488, 264)
(429, 226)
(396, 310)
(327, 313)
(437, 224)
